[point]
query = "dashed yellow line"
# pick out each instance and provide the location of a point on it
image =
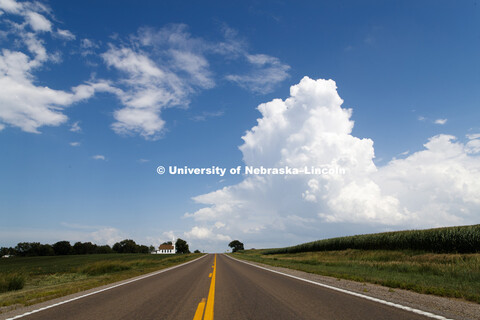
(211, 293)
(199, 312)
(211, 297)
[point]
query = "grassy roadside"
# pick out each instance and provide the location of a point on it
(46, 278)
(449, 275)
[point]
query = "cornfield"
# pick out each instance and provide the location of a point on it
(463, 239)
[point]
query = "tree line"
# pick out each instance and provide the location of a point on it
(32, 249)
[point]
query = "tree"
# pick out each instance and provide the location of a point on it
(236, 245)
(181, 246)
(45, 250)
(27, 248)
(104, 249)
(32, 249)
(125, 246)
(84, 248)
(62, 248)
(142, 249)
(196, 251)
(7, 251)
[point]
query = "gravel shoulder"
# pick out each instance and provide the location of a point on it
(447, 307)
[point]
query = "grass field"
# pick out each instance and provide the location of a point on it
(450, 275)
(44, 278)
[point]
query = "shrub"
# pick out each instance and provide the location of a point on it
(12, 282)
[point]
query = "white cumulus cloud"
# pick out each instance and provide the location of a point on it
(205, 234)
(436, 186)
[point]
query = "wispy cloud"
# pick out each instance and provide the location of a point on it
(473, 136)
(88, 47)
(75, 127)
(436, 121)
(163, 68)
(39, 105)
(205, 115)
(75, 144)
(265, 74)
(98, 157)
(65, 34)
(155, 69)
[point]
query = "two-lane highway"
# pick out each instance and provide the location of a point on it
(217, 286)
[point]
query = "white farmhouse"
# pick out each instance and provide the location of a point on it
(166, 248)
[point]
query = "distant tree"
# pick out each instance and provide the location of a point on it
(196, 251)
(104, 249)
(142, 249)
(117, 247)
(45, 250)
(62, 248)
(6, 251)
(125, 246)
(236, 245)
(84, 248)
(24, 248)
(30, 249)
(181, 246)
(151, 249)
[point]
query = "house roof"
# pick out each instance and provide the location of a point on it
(166, 247)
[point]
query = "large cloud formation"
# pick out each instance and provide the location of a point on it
(151, 70)
(433, 187)
(163, 68)
(23, 103)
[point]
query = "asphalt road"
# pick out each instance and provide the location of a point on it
(224, 289)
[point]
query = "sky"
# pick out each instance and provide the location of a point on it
(96, 95)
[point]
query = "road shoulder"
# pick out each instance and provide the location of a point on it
(65, 299)
(447, 307)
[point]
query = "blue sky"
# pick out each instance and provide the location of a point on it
(135, 86)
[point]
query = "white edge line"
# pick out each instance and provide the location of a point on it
(105, 289)
(388, 303)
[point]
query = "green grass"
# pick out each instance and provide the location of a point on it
(449, 275)
(29, 280)
(462, 239)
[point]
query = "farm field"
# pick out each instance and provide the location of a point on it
(29, 280)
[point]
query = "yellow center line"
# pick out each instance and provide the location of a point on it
(211, 297)
(199, 312)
